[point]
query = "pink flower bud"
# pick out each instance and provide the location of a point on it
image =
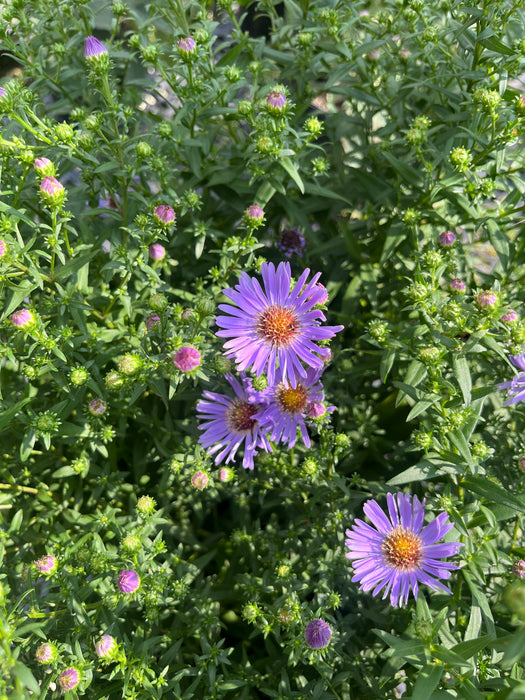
(44, 166)
(318, 634)
(254, 214)
(22, 318)
(69, 679)
(457, 286)
(447, 238)
(52, 190)
(486, 299)
(186, 46)
(315, 409)
(3, 248)
(164, 215)
(199, 480)
(46, 653)
(157, 251)
(187, 359)
(276, 101)
(152, 321)
(105, 646)
(93, 48)
(128, 581)
(510, 317)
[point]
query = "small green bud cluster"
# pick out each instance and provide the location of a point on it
(461, 159)
(488, 100)
(378, 330)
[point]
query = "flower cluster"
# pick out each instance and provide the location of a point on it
(274, 331)
(516, 387)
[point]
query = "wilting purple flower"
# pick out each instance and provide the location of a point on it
(518, 568)
(128, 581)
(164, 215)
(510, 317)
(93, 48)
(274, 326)
(397, 553)
(152, 321)
(199, 480)
(105, 646)
(186, 46)
(228, 422)
(291, 240)
(157, 251)
(315, 409)
(47, 564)
(276, 101)
(457, 285)
(318, 634)
(3, 248)
(69, 679)
(288, 405)
(187, 359)
(22, 318)
(45, 653)
(486, 299)
(97, 407)
(446, 239)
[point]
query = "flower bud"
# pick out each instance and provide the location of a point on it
(96, 55)
(131, 544)
(78, 376)
(225, 474)
(158, 302)
(457, 286)
(521, 463)
(105, 646)
(315, 409)
(146, 505)
(199, 480)
(46, 653)
(129, 364)
(187, 359)
(157, 251)
(164, 215)
(143, 149)
(318, 634)
(52, 191)
(97, 407)
(186, 48)
(486, 299)
(128, 581)
(69, 679)
(518, 568)
(254, 216)
(510, 317)
(64, 132)
(276, 102)
(22, 319)
(460, 159)
(44, 167)
(447, 239)
(152, 321)
(3, 248)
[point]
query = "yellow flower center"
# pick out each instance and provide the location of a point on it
(402, 549)
(292, 399)
(277, 325)
(239, 416)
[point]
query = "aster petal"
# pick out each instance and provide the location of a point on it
(392, 508)
(377, 516)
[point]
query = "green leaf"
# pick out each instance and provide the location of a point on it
(460, 442)
(480, 598)
(493, 492)
(25, 676)
(387, 360)
(292, 172)
(462, 374)
(472, 646)
(515, 649)
(16, 521)
(427, 681)
(7, 416)
(420, 407)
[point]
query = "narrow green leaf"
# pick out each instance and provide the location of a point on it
(387, 360)
(472, 646)
(462, 374)
(420, 407)
(427, 681)
(7, 416)
(494, 492)
(25, 677)
(292, 172)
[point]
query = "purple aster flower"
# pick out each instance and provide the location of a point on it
(232, 421)
(128, 581)
(518, 361)
(93, 48)
(288, 407)
(318, 634)
(291, 240)
(69, 679)
(274, 326)
(516, 389)
(398, 553)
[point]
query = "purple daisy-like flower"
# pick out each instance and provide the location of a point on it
(398, 553)
(518, 361)
(232, 421)
(274, 326)
(288, 406)
(318, 634)
(516, 387)
(93, 48)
